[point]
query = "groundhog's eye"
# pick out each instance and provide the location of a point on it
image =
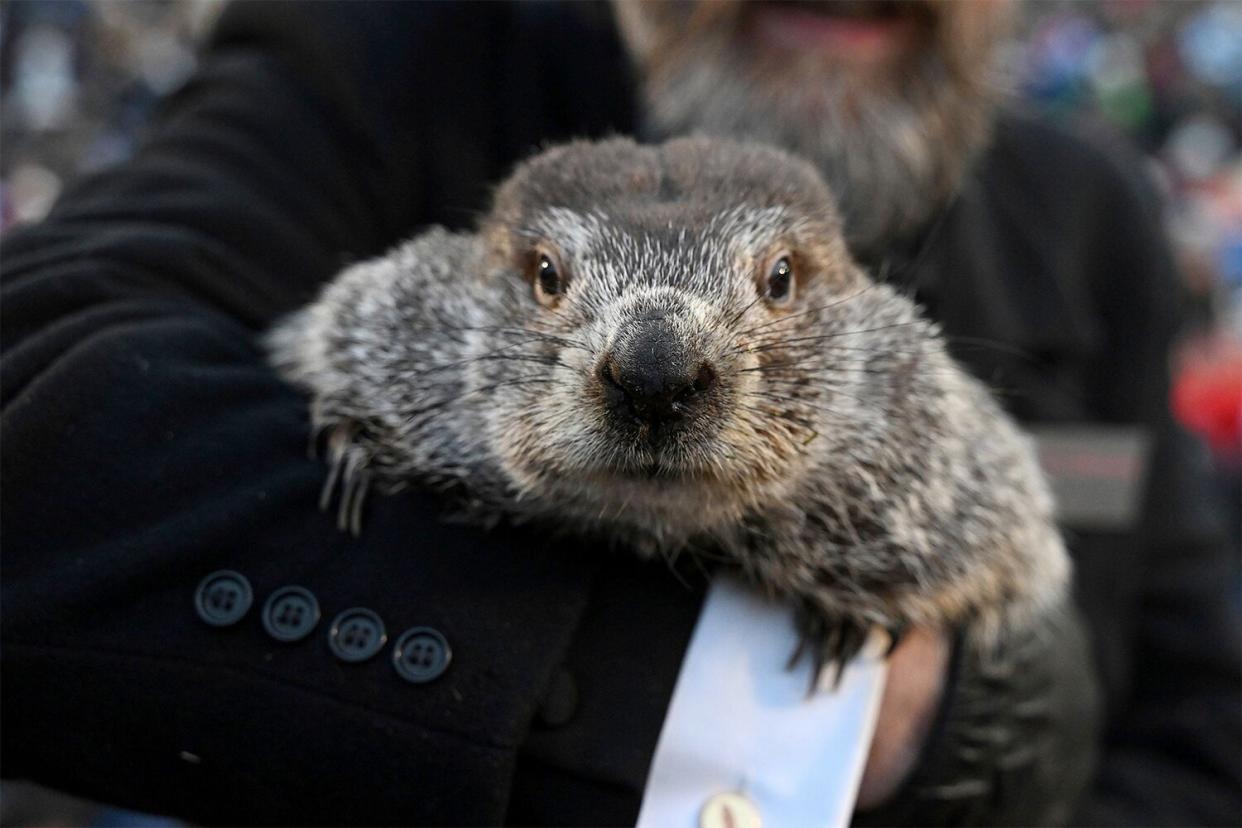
(549, 278)
(548, 282)
(780, 282)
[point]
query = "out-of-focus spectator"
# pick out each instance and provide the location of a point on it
(79, 80)
(1167, 74)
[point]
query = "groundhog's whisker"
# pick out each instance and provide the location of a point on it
(800, 378)
(974, 341)
(792, 426)
(797, 431)
(794, 364)
(811, 432)
(813, 402)
(743, 311)
(770, 344)
(768, 413)
(793, 316)
(830, 388)
(817, 346)
(993, 345)
(882, 350)
(541, 360)
(438, 404)
(458, 363)
(769, 395)
(543, 335)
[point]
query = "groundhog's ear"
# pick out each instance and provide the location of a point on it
(496, 246)
(499, 250)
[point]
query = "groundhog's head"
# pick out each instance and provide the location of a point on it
(683, 297)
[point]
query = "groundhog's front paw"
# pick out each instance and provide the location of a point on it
(347, 470)
(832, 640)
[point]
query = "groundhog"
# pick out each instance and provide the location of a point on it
(670, 346)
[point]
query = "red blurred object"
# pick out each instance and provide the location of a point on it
(1207, 394)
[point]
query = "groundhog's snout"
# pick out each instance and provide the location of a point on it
(653, 377)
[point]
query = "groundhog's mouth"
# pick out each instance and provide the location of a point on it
(677, 450)
(684, 454)
(656, 474)
(656, 471)
(652, 490)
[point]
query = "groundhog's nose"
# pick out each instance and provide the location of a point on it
(653, 375)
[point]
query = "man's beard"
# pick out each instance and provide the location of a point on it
(893, 141)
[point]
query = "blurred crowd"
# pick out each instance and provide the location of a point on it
(1168, 75)
(79, 80)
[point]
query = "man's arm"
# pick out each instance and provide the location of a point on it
(1172, 753)
(147, 443)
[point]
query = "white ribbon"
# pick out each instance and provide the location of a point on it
(740, 722)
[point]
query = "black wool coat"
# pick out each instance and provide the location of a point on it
(146, 444)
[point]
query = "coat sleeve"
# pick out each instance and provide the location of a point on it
(1172, 750)
(147, 444)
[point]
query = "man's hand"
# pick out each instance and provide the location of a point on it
(912, 693)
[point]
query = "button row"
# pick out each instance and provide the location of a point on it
(420, 655)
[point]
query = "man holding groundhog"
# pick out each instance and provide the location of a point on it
(148, 448)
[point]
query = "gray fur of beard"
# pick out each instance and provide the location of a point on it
(848, 464)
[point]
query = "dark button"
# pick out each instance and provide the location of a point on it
(561, 701)
(421, 654)
(290, 613)
(223, 597)
(356, 634)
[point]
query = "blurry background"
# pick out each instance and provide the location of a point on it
(80, 78)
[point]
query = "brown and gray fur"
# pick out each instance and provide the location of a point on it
(839, 459)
